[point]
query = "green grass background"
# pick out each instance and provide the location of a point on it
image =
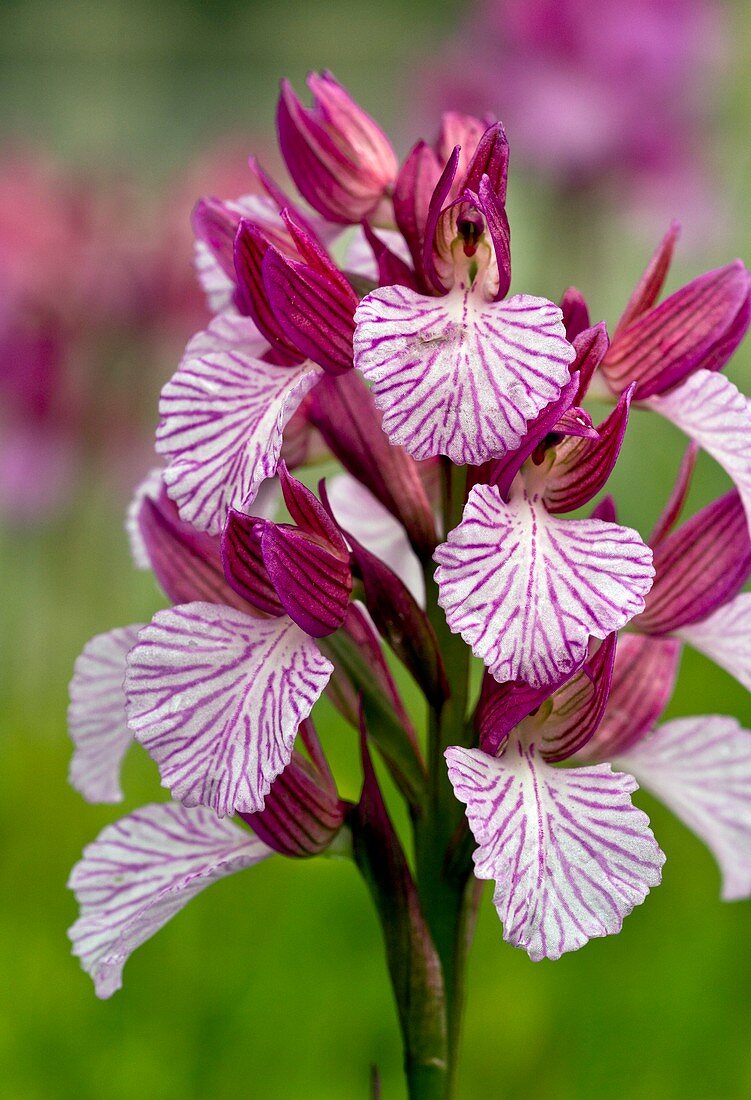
(272, 984)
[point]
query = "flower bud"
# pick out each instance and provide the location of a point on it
(340, 160)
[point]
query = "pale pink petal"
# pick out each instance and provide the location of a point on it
(358, 511)
(96, 715)
(712, 412)
(701, 769)
(223, 414)
(725, 637)
(227, 332)
(569, 853)
(148, 489)
(142, 870)
(216, 697)
(526, 590)
(458, 375)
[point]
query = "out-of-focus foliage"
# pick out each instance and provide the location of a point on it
(273, 984)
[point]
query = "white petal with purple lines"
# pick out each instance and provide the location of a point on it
(569, 853)
(222, 419)
(712, 412)
(460, 376)
(701, 769)
(142, 870)
(96, 715)
(216, 697)
(725, 637)
(526, 590)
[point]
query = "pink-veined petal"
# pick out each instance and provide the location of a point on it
(142, 870)
(526, 590)
(215, 282)
(712, 412)
(725, 637)
(96, 715)
(569, 853)
(457, 376)
(217, 697)
(222, 418)
(358, 511)
(701, 769)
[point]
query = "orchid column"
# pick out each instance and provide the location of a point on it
(456, 413)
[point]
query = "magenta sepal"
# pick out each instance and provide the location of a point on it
(187, 563)
(642, 683)
(605, 509)
(698, 568)
(562, 720)
(344, 412)
(672, 510)
(501, 708)
(303, 812)
(244, 568)
(251, 297)
(413, 190)
(697, 327)
(490, 159)
(575, 312)
(340, 160)
(503, 471)
(583, 466)
(650, 284)
(437, 202)
(402, 622)
(578, 705)
(591, 345)
(315, 312)
(308, 512)
(312, 582)
(499, 230)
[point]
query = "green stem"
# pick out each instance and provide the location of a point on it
(442, 884)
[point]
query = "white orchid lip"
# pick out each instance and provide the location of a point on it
(526, 590)
(458, 375)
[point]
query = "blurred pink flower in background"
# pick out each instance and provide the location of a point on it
(97, 299)
(596, 94)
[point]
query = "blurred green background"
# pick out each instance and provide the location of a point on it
(272, 984)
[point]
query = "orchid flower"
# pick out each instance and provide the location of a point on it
(457, 419)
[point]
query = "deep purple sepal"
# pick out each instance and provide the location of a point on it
(583, 466)
(642, 683)
(500, 709)
(303, 812)
(575, 312)
(315, 314)
(698, 568)
(244, 567)
(344, 412)
(312, 582)
(672, 511)
(650, 284)
(591, 345)
(605, 510)
(437, 202)
(490, 159)
(579, 704)
(187, 563)
(412, 194)
(499, 230)
(503, 472)
(698, 326)
(251, 298)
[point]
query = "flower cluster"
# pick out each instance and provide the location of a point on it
(457, 413)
